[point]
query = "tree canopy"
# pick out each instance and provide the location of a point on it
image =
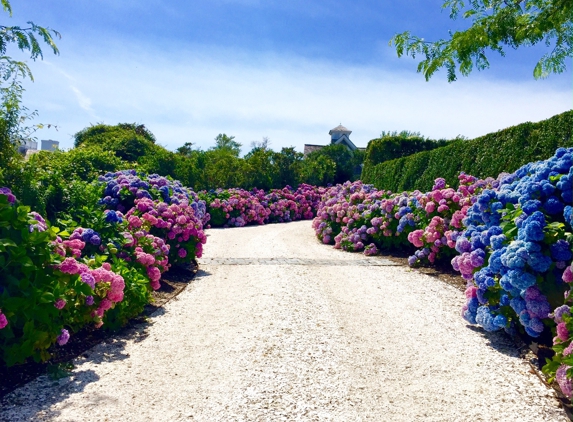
(129, 141)
(495, 24)
(222, 141)
(26, 39)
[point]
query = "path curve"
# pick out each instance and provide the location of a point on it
(278, 327)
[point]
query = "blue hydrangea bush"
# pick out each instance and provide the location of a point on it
(521, 233)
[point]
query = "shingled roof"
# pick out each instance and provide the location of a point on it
(340, 128)
(308, 148)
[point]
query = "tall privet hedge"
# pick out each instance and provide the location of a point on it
(489, 155)
(396, 146)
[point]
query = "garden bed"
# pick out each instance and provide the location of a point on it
(173, 282)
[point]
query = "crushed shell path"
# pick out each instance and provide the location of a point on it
(278, 327)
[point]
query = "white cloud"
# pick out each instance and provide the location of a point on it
(195, 94)
(83, 101)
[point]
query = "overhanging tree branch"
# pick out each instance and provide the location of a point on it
(495, 24)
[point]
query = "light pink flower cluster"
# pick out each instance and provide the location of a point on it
(565, 383)
(432, 236)
(446, 209)
(147, 250)
(568, 274)
(68, 247)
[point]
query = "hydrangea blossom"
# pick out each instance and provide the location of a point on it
(3, 320)
(63, 337)
(8, 194)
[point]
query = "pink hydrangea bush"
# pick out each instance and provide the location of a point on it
(353, 215)
(122, 188)
(176, 224)
(147, 251)
(288, 204)
(238, 208)
(440, 215)
(101, 290)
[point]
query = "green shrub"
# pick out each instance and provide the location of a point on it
(486, 156)
(53, 182)
(29, 286)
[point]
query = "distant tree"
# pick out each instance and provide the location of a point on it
(264, 144)
(318, 170)
(402, 134)
(342, 158)
(186, 149)
(495, 24)
(128, 141)
(160, 161)
(261, 170)
(223, 169)
(288, 164)
(138, 129)
(222, 141)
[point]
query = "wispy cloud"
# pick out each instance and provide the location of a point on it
(195, 94)
(83, 101)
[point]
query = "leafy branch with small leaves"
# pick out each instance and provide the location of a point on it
(495, 24)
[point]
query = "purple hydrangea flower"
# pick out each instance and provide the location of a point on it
(63, 337)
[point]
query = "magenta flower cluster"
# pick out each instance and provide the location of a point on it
(177, 227)
(106, 285)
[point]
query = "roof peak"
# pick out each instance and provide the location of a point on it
(340, 128)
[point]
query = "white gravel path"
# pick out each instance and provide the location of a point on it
(293, 330)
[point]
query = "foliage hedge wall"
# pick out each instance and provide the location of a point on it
(392, 147)
(486, 156)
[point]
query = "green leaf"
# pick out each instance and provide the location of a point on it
(47, 297)
(8, 243)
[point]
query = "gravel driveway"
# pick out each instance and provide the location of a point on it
(279, 327)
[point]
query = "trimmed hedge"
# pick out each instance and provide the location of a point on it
(486, 156)
(392, 147)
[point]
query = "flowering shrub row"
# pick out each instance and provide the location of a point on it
(122, 188)
(98, 269)
(358, 217)
(510, 238)
(238, 207)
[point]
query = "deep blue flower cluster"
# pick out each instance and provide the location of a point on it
(112, 216)
(91, 236)
(514, 261)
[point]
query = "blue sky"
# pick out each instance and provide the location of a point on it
(286, 70)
